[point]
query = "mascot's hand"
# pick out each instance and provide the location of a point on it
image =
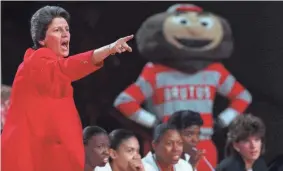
(227, 116)
(145, 118)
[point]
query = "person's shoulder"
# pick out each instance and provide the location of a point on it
(148, 158)
(184, 165)
(260, 164)
(34, 57)
(217, 67)
(44, 52)
(147, 166)
(41, 52)
(229, 163)
(226, 162)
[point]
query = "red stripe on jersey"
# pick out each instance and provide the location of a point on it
(219, 68)
(236, 90)
(135, 91)
(129, 108)
(208, 120)
(239, 105)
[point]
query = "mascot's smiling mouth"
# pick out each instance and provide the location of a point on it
(193, 43)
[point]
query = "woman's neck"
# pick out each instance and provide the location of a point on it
(163, 166)
(249, 164)
(114, 167)
(88, 167)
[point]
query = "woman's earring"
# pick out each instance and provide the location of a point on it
(42, 43)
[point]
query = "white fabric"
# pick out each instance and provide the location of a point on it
(107, 167)
(144, 118)
(228, 115)
(150, 164)
(187, 157)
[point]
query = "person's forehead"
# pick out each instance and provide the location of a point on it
(130, 143)
(99, 139)
(59, 21)
(192, 127)
(253, 137)
(169, 134)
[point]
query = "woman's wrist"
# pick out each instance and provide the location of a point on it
(100, 54)
(111, 49)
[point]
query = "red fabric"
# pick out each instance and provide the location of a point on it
(189, 9)
(211, 155)
(43, 131)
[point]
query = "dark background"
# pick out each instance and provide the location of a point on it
(257, 61)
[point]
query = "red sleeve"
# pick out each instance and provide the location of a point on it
(229, 87)
(129, 101)
(48, 67)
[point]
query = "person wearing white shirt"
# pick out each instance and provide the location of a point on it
(168, 148)
(124, 152)
(96, 145)
(189, 124)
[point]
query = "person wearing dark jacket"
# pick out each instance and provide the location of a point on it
(245, 145)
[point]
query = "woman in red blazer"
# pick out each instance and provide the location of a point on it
(43, 131)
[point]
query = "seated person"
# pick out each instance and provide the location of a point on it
(168, 148)
(189, 124)
(244, 145)
(96, 145)
(124, 152)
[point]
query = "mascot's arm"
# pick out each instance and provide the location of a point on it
(239, 97)
(129, 101)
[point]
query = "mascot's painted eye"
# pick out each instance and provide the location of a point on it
(206, 22)
(180, 20)
(183, 21)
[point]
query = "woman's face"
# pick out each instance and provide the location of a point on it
(57, 37)
(128, 150)
(169, 148)
(97, 150)
(190, 137)
(250, 148)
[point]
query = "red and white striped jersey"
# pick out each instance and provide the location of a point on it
(171, 90)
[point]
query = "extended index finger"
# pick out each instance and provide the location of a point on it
(127, 38)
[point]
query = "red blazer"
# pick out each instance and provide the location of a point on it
(43, 131)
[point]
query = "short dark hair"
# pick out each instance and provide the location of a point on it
(91, 131)
(241, 128)
(160, 130)
(117, 136)
(41, 20)
(185, 118)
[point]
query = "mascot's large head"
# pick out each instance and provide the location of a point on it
(185, 37)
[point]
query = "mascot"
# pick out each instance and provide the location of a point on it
(184, 46)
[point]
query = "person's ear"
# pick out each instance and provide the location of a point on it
(236, 147)
(41, 42)
(112, 153)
